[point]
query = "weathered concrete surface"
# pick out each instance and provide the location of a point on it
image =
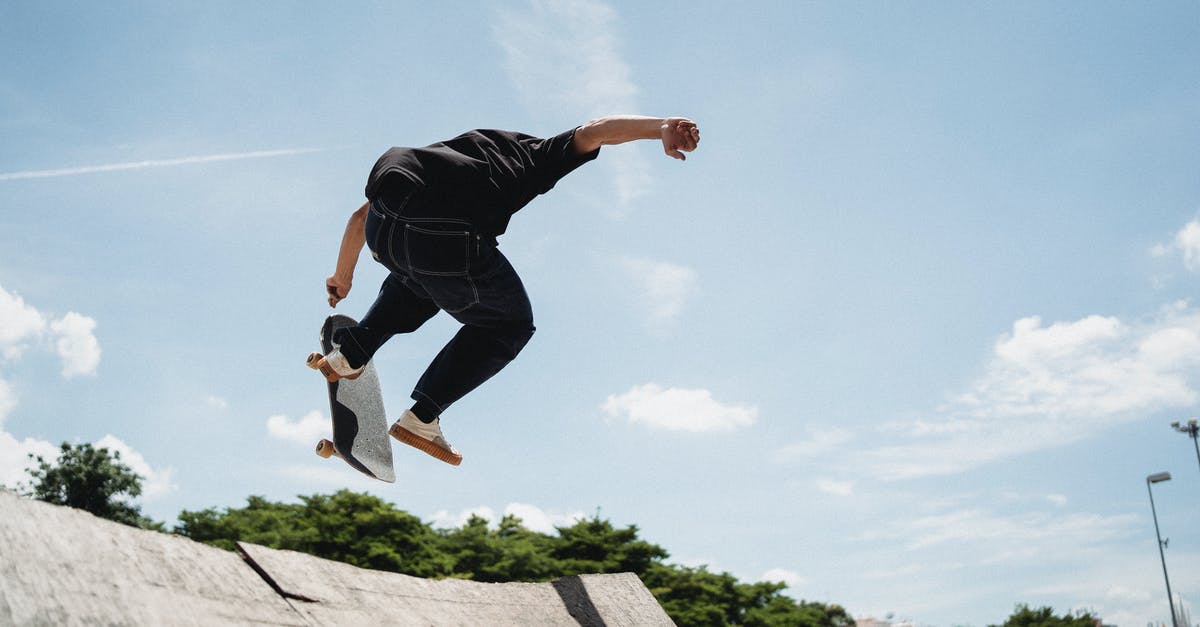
(60, 566)
(340, 594)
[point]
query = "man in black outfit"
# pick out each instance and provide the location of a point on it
(431, 218)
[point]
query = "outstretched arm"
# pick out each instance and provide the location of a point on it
(678, 135)
(338, 284)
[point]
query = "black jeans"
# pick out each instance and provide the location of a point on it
(441, 264)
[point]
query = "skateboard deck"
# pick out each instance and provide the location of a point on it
(360, 426)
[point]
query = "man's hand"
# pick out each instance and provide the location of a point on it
(337, 289)
(679, 135)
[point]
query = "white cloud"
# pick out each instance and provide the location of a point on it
(1187, 241)
(1027, 537)
(22, 326)
(791, 578)
(1057, 499)
(72, 335)
(216, 402)
(14, 462)
(532, 517)
(308, 430)
(8, 400)
(14, 457)
(820, 442)
(1045, 386)
(445, 520)
(836, 488)
(536, 519)
(678, 409)
(631, 173)
(565, 55)
(663, 289)
(1096, 366)
(155, 482)
(1101, 562)
(76, 345)
(19, 322)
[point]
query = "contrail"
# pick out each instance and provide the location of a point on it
(154, 163)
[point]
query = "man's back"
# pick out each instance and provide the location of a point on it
(482, 176)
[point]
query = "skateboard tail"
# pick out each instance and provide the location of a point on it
(327, 449)
(356, 411)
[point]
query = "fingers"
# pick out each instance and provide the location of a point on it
(336, 293)
(692, 133)
(680, 135)
(680, 146)
(688, 135)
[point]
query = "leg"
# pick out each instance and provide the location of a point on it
(494, 331)
(397, 309)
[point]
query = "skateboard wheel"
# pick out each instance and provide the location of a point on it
(325, 449)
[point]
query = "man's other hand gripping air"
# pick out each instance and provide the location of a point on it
(431, 218)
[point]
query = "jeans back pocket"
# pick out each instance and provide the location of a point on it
(438, 249)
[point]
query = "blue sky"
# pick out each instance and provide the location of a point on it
(907, 331)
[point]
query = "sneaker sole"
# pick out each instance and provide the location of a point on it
(420, 443)
(317, 362)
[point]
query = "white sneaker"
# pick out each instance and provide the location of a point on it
(427, 437)
(334, 366)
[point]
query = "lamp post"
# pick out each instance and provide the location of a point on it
(1152, 479)
(1192, 429)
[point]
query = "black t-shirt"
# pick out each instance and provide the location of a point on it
(482, 176)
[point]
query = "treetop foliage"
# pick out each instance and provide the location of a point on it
(1024, 616)
(366, 531)
(92, 479)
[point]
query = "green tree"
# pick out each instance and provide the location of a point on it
(91, 479)
(508, 553)
(365, 531)
(1024, 616)
(764, 605)
(695, 596)
(595, 546)
(358, 529)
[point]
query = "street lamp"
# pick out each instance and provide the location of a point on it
(1191, 428)
(1157, 478)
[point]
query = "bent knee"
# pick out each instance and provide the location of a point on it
(515, 337)
(522, 335)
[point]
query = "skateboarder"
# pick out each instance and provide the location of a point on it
(431, 218)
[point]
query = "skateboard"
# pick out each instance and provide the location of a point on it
(360, 427)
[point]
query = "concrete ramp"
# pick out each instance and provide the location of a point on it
(333, 593)
(60, 566)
